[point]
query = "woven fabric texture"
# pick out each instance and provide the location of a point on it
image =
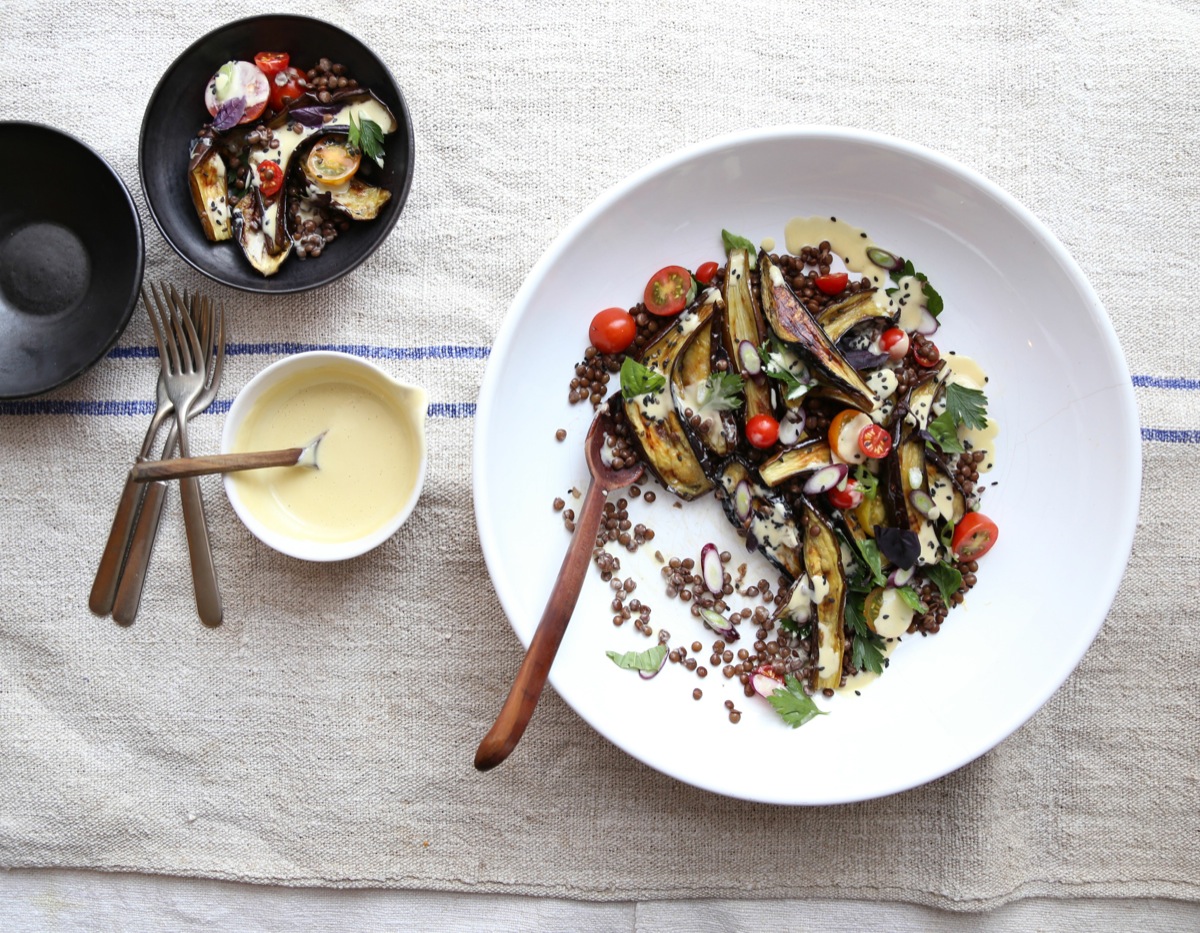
(324, 734)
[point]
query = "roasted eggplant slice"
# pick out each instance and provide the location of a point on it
(716, 430)
(359, 201)
(947, 494)
(811, 455)
(919, 403)
(839, 319)
(206, 178)
(743, 323)
(907, 482)
(823, 562)
(765, 520)
(793, 323)
(656, 424)
(247, 228)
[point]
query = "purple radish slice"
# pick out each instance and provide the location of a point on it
(743, 501)
(765, 684)
(719, 624)
(902, 576)
(792, 426)
(748, 358)
(884, 259)
(922, 502)
(826, 478)
(648, 675)
(710, 567)
(927, 326)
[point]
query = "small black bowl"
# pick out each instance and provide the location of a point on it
(71, 259)
(176, 112)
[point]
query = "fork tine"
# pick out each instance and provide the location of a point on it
(188, 331)
(183, 345)
(166, 349)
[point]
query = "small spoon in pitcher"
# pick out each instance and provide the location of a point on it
(531, 678)
(183, 467)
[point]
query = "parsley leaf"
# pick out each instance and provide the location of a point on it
(946, 578)
(793, 705)
(866, 653)
(733, 241)
(367, 137)
(911, 598)
(649, 660)
(720, 392)
(873, 559)
(944, 432)
(933, 301)
(966, 406)
(637, 379)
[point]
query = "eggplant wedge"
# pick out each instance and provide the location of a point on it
(716, 431)
(359, 201)
(210, 190)
(247, 228)
(792, 322)
(811, 455)
(919, 404)
(823, 563)
(839, 319)
(906, 478)
(765, 520)
(657, 427)
(743, 321)
(945, 490)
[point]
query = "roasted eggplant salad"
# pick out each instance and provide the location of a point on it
(805, 390)
(286, 163)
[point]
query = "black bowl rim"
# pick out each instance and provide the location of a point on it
(336, 273)
(139, 271)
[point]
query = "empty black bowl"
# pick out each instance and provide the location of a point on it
(71, 258)
(176, 112)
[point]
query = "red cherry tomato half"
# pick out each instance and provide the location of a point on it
(612, 330)
(762, 431)
(834, 283)
(669, 291)
(704, 274)
(848, 498)
(285, 85)
(270, 177)
(894, 342)
(875, 442)
(270, 63)
(973, 536)
(927, 354)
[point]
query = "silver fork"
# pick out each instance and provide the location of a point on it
(211, 327)
(183, 362)
(108, 574)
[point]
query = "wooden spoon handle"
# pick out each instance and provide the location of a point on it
(183, 467)
(531, 678)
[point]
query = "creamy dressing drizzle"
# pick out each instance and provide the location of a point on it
(850, 243)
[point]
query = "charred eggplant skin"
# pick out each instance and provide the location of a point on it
(657, 428)
(717, 433)
(839, 319)
(823, 560)
(793, 323)
(810, 455)
(765, 519)
(743, 320)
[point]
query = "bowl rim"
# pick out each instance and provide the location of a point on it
(400, 197)
(139, 271)
(318, 551)
(1125, 517)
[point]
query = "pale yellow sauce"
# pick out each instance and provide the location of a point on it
(368, 461)
(767, 244)
(847, 242)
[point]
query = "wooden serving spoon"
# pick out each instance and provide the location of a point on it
(531, 678)
(183, 467)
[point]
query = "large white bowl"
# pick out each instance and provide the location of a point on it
(1069, 465)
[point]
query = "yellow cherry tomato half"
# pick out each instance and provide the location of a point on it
(332, 162)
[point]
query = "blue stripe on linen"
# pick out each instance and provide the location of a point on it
(368, 351)
(145, 408)
(1171, 436)
(1166, 382)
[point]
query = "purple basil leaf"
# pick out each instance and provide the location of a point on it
(313, 116)
(229, 114)
(899, 545)
(864, 359)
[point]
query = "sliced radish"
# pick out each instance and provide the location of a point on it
(743, 500)
(710, 567)
(846, 444)
(748, 358)
(647, 675)
(902, 576)
(719, 624)
(884, 259)
(922, 502)
(826, 478)
(238, 79)
(928, 324)
(791, 427)
(765, 682)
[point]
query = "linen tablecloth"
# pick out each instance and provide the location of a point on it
(323, 735)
